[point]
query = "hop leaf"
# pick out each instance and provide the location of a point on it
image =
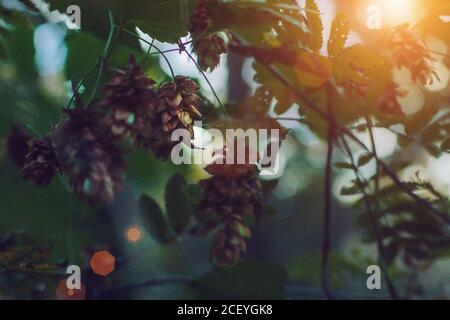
(315, 24)
(153, 217)
(178, 206)
(313, 70)
(339, 33)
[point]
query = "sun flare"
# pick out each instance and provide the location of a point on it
(396, 12)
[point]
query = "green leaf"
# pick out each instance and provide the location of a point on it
(364, 159)
(194, 193)
(80, 61)
(154, 221)
(340, 29)
(313, 70)
(315, 24)
(247, 280)
(167, 20)
(164, 20)
(20, 50)
(179, 210)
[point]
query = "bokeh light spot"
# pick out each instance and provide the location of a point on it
(134, 234)
(103, 263)
(63, 293)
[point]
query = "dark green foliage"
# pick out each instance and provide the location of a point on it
(154, 219)
(247, 280)
(178, 206)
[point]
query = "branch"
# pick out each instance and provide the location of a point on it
(373, 218)
(183, 48)
(308, 103)
(326, 240)
(103, 58)
(150, 44)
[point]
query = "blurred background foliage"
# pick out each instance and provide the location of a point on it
(41, 61)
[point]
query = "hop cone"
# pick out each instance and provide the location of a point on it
(127, 107)
(207, 47)
(208, 50)
(409, 51)
(41, 163)
(178, 104)
(229, 197)
(94, 167)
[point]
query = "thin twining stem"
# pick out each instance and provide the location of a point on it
(177, 49)
(103, 57)
(326, 237)
(377, 165)
(80, 84)
(151, 45)
(146, 55)
(373, 218)
(206, 78)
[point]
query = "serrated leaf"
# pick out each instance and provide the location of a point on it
(179, 210)
(340, 29)
(153, 218)
(284, 98)
(356, 63)
(315, 24)
(313, 70)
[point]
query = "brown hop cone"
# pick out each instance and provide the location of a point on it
(94, 167)
(41, 163)
(125, 128)
(129, 102)
(208, 50)
(208, 47)
(229, 197)
(409, 51)
(177, 108)
(200, 21)
(129, 87)
(18, 144)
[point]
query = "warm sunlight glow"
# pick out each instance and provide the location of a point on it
(395, 12)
